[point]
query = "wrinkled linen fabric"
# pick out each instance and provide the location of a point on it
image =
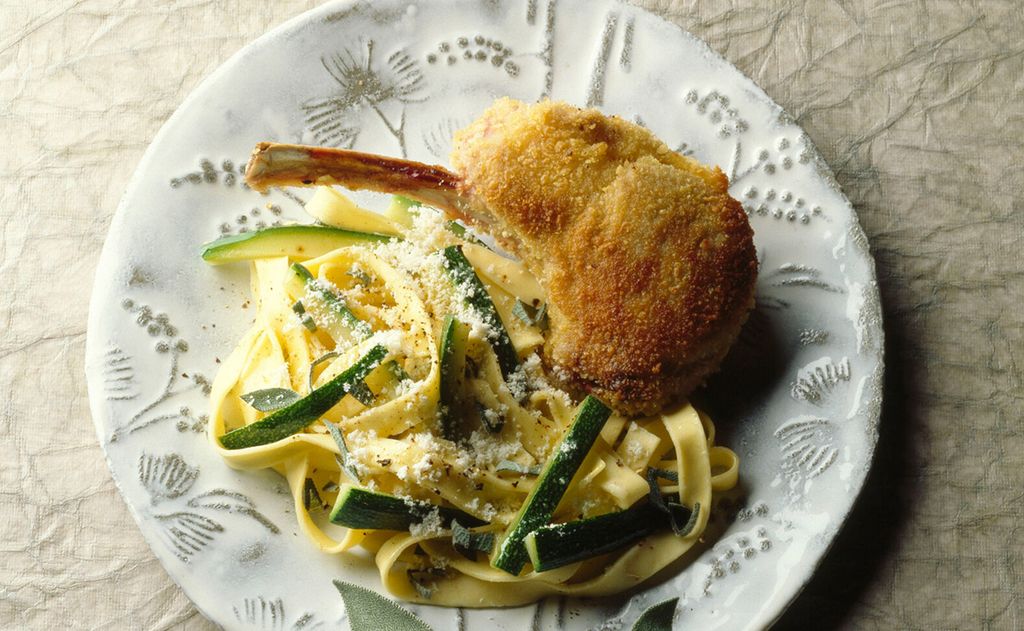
(915, 105)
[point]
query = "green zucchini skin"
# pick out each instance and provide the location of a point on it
(296, 416)
(347, 326)
(460, 231)
(461, 272)
(552, 483)
(454, 336)
(362, 509)
(556, 545)
(301, 241)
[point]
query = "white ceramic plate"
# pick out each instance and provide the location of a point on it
(798, 399)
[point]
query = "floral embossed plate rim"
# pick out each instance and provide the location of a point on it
(798, 399)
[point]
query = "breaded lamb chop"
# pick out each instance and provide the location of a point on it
(647, 262)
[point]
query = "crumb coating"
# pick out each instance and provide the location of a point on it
(649, 265)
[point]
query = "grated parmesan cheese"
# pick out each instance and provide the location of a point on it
(418, 256)
(431, 525)
(487, 449)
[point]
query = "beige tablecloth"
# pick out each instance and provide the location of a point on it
(919, 108)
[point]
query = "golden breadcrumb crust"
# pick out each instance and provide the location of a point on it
(648, 264)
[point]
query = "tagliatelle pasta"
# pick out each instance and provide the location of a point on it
(374, 381)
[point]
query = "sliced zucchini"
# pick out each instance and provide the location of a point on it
(556, 545)
(460, 231)
(552, 483)
(452, 351)
(330, 207)
(461, 272)
(340, 323)
(295, 417)
(297, 242)
(363, 509)
(401, 210)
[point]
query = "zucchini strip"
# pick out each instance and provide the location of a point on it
(295, 417)
(362, 509)
(300, 241)
(341, 324)
(452, 351)
(462, 274)
(552, 484)
(558, 545)
(401, 210)
(460, 231)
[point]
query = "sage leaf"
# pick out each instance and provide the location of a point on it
(305, 318)
(681, 518)
(678, 512)
(311, 499)
(657, 618)
(344, 460)
(362, 277)
(529, 316)
(292, 419)
(665, 474)
(270, 399)
(423, 580)
(515, 467)
(468, 543)
(369, 611)
(654, 492)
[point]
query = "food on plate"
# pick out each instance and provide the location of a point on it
(647, 263)
(437, 403)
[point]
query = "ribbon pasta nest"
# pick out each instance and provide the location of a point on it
(392, 375)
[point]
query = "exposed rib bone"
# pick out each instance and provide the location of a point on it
(647, 263)
(277, 164)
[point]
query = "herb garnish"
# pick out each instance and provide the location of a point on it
(515, 467)
(531, 316)
(468, 543)
(344, 458)
(304, 318)
(270, 399)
